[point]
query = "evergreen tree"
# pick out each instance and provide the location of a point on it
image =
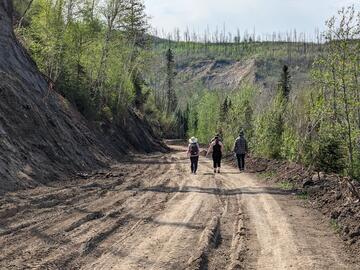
(140, 97)
(248, 113)
(186, 119)
(135, 23)
(170, 91)
(224, 110)
(135, 27)
(285, 82)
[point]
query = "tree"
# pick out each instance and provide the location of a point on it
(336, 76)
(224, 110)
(170, 74)
(285, 82)
(135, 23)
(135, 27)
(113, 11)
(28, 6)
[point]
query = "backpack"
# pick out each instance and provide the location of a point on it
(217, 148)
(194, 149)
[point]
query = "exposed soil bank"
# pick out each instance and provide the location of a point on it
(42, 137)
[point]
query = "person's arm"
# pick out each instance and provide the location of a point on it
(210, 149)
(222, 147)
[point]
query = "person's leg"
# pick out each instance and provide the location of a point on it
(219, 164)
(196, 162)
(244, 156)
(242, 162)
(239, 161)
(192, 164)
(215, 163)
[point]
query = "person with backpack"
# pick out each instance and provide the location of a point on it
(193, 153)
(240, 150)
(216, 148)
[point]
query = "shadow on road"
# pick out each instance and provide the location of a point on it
(179, 224)
(217, 191)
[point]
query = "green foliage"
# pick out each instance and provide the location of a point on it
(78, 45)
(135, 23)
(286, 185)
(240, 115)
(267, 175)
(303, 195)
(290, 143)
(329, 151)
(208, 113)
(269, 128)
(335, 225)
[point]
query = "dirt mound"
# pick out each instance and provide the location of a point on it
(220, 74)
(42, 137)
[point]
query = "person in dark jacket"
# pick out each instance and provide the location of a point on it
(216, 148)
(241, 149)
(194, 152)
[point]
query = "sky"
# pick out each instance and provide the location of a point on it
(265, 16)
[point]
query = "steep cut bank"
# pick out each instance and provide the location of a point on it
(42, 137)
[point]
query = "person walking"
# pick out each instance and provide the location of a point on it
(240, 150)
(216, 148)
(193, 153)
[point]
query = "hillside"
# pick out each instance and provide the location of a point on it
(43, 138)
(224, 68)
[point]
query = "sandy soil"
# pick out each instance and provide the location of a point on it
(151, 213)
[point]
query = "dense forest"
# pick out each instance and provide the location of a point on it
(101, 56)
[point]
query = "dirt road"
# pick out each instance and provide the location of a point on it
(150, 213)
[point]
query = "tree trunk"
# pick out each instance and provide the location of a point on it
(24, 14)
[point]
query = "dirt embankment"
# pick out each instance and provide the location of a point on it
(218, 75)
(42, 137)
(338, 198)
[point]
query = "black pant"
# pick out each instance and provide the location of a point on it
(194, 164)
(217, 161)
(241, 161)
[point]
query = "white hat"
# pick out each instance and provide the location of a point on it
(193, 140)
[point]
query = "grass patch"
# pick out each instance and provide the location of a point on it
(267, 175)
(335, 225)
(286, 185)
(303, 196)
